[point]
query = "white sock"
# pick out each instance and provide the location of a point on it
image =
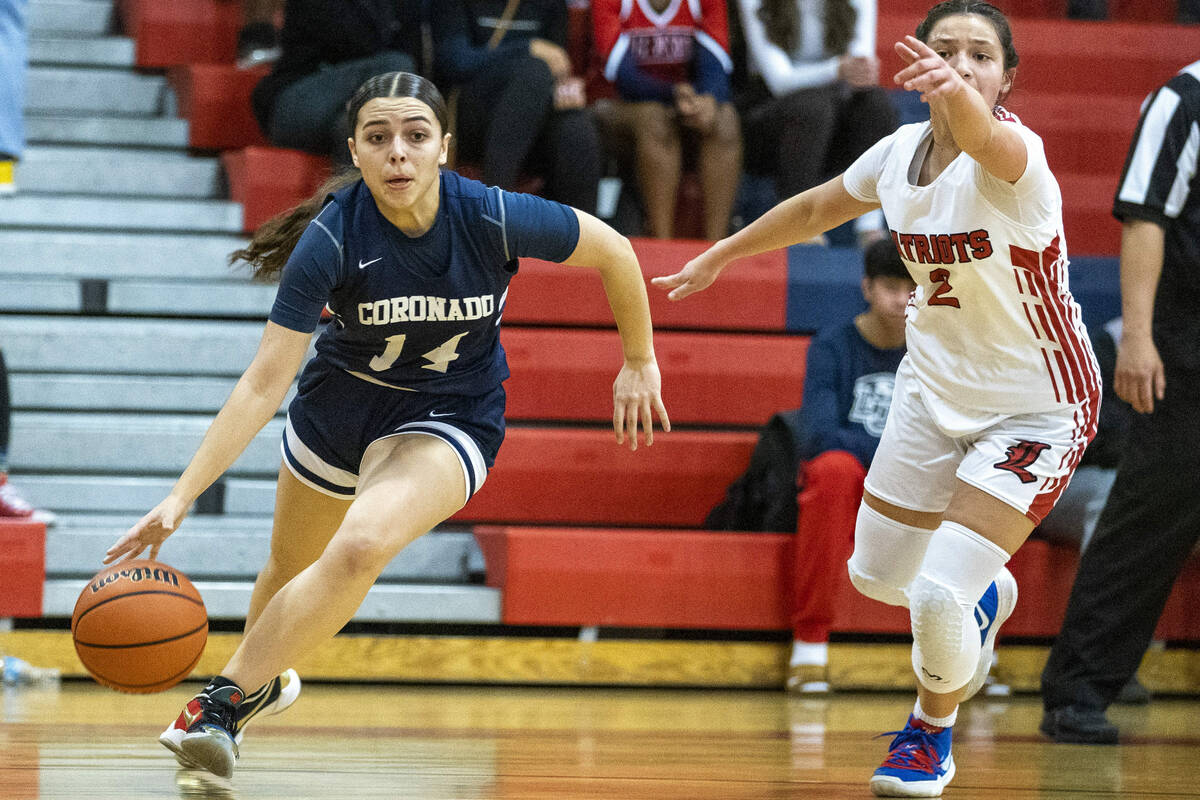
(959, 564)
(938, 722)
(809, 653)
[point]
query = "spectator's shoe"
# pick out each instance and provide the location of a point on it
(258, 43)
(996, 605)
(202, 736)
(1133, 693)
(14, 506)
(919, 762)
(8, 183)
(1073, 725)
(273, 698)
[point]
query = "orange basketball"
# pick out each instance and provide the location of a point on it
(139, 626)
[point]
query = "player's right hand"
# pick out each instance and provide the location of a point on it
(150, 531)
(696, 275)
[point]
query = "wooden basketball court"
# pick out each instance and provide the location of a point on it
(505, 743)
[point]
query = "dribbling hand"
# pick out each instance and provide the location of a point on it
(150, 531)
(637, 396)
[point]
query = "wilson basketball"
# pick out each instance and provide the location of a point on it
(139, 626)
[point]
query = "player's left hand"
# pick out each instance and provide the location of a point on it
(637, 396)
(927, 72)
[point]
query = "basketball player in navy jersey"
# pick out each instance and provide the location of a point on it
(401, 412)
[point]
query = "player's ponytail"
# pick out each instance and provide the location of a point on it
(276, 238)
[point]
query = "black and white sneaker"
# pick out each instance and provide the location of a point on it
(278, 694)
(202, 736)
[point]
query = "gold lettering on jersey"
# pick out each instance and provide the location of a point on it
(943, 248)
(424, 308)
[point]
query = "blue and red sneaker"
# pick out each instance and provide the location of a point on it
(994, 607)
(919, 763)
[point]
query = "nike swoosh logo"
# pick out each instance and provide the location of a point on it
(364, 264)
(446, 414)
(189, 718)
(982, 619)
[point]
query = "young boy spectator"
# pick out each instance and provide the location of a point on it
(848, 380)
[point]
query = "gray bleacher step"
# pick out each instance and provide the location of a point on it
(245, 495)
(65, 493)
(66, 128)
(39, 294)
(159, 393)
(130, 214)
(385, 602)
(215, 298)
(74, 550)
(116, 256)
(104, 51)
(113, 345)
(78, 17)
(126, 443)
(165, 298)
(110, 171)
(83, 90)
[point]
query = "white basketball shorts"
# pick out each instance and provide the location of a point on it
(1024, 460)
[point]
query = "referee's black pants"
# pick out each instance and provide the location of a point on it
(1146, 532)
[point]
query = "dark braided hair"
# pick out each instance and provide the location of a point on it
(275, 239)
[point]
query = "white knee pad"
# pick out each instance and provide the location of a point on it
(945, 637)
(887, 556)
(959, 564)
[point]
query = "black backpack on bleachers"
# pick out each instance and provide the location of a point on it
(763, 498)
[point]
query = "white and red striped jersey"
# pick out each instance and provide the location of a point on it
(992, 325)
(661, 44)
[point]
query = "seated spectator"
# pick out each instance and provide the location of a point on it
(810, 100)
(12, 504)
(669, 63)
(519, 108)
(329, 49)
(806, 473)
(849, 375)
(13, 49)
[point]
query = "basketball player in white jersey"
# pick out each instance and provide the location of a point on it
(999, 393)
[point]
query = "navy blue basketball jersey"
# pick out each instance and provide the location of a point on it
(419, 313)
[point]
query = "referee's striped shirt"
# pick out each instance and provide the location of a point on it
(1159, 184)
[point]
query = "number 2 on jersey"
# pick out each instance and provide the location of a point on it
(941, 295)
(439, 358)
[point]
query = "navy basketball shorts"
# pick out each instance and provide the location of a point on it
(335, 417)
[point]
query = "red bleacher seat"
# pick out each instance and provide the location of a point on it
(23, 543)
(182, 31)
(710, 379)
(739, 581)
(268, 180)
(752, 294)
(582, 477)
(637, 578)
(215, 100)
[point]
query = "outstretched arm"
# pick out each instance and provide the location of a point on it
(637, 391)
(997, 147)
(795, 220)
(253, 402)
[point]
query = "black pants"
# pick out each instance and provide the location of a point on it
(806, 137)
(507, 120)
(310, 114)
(1146, 532)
